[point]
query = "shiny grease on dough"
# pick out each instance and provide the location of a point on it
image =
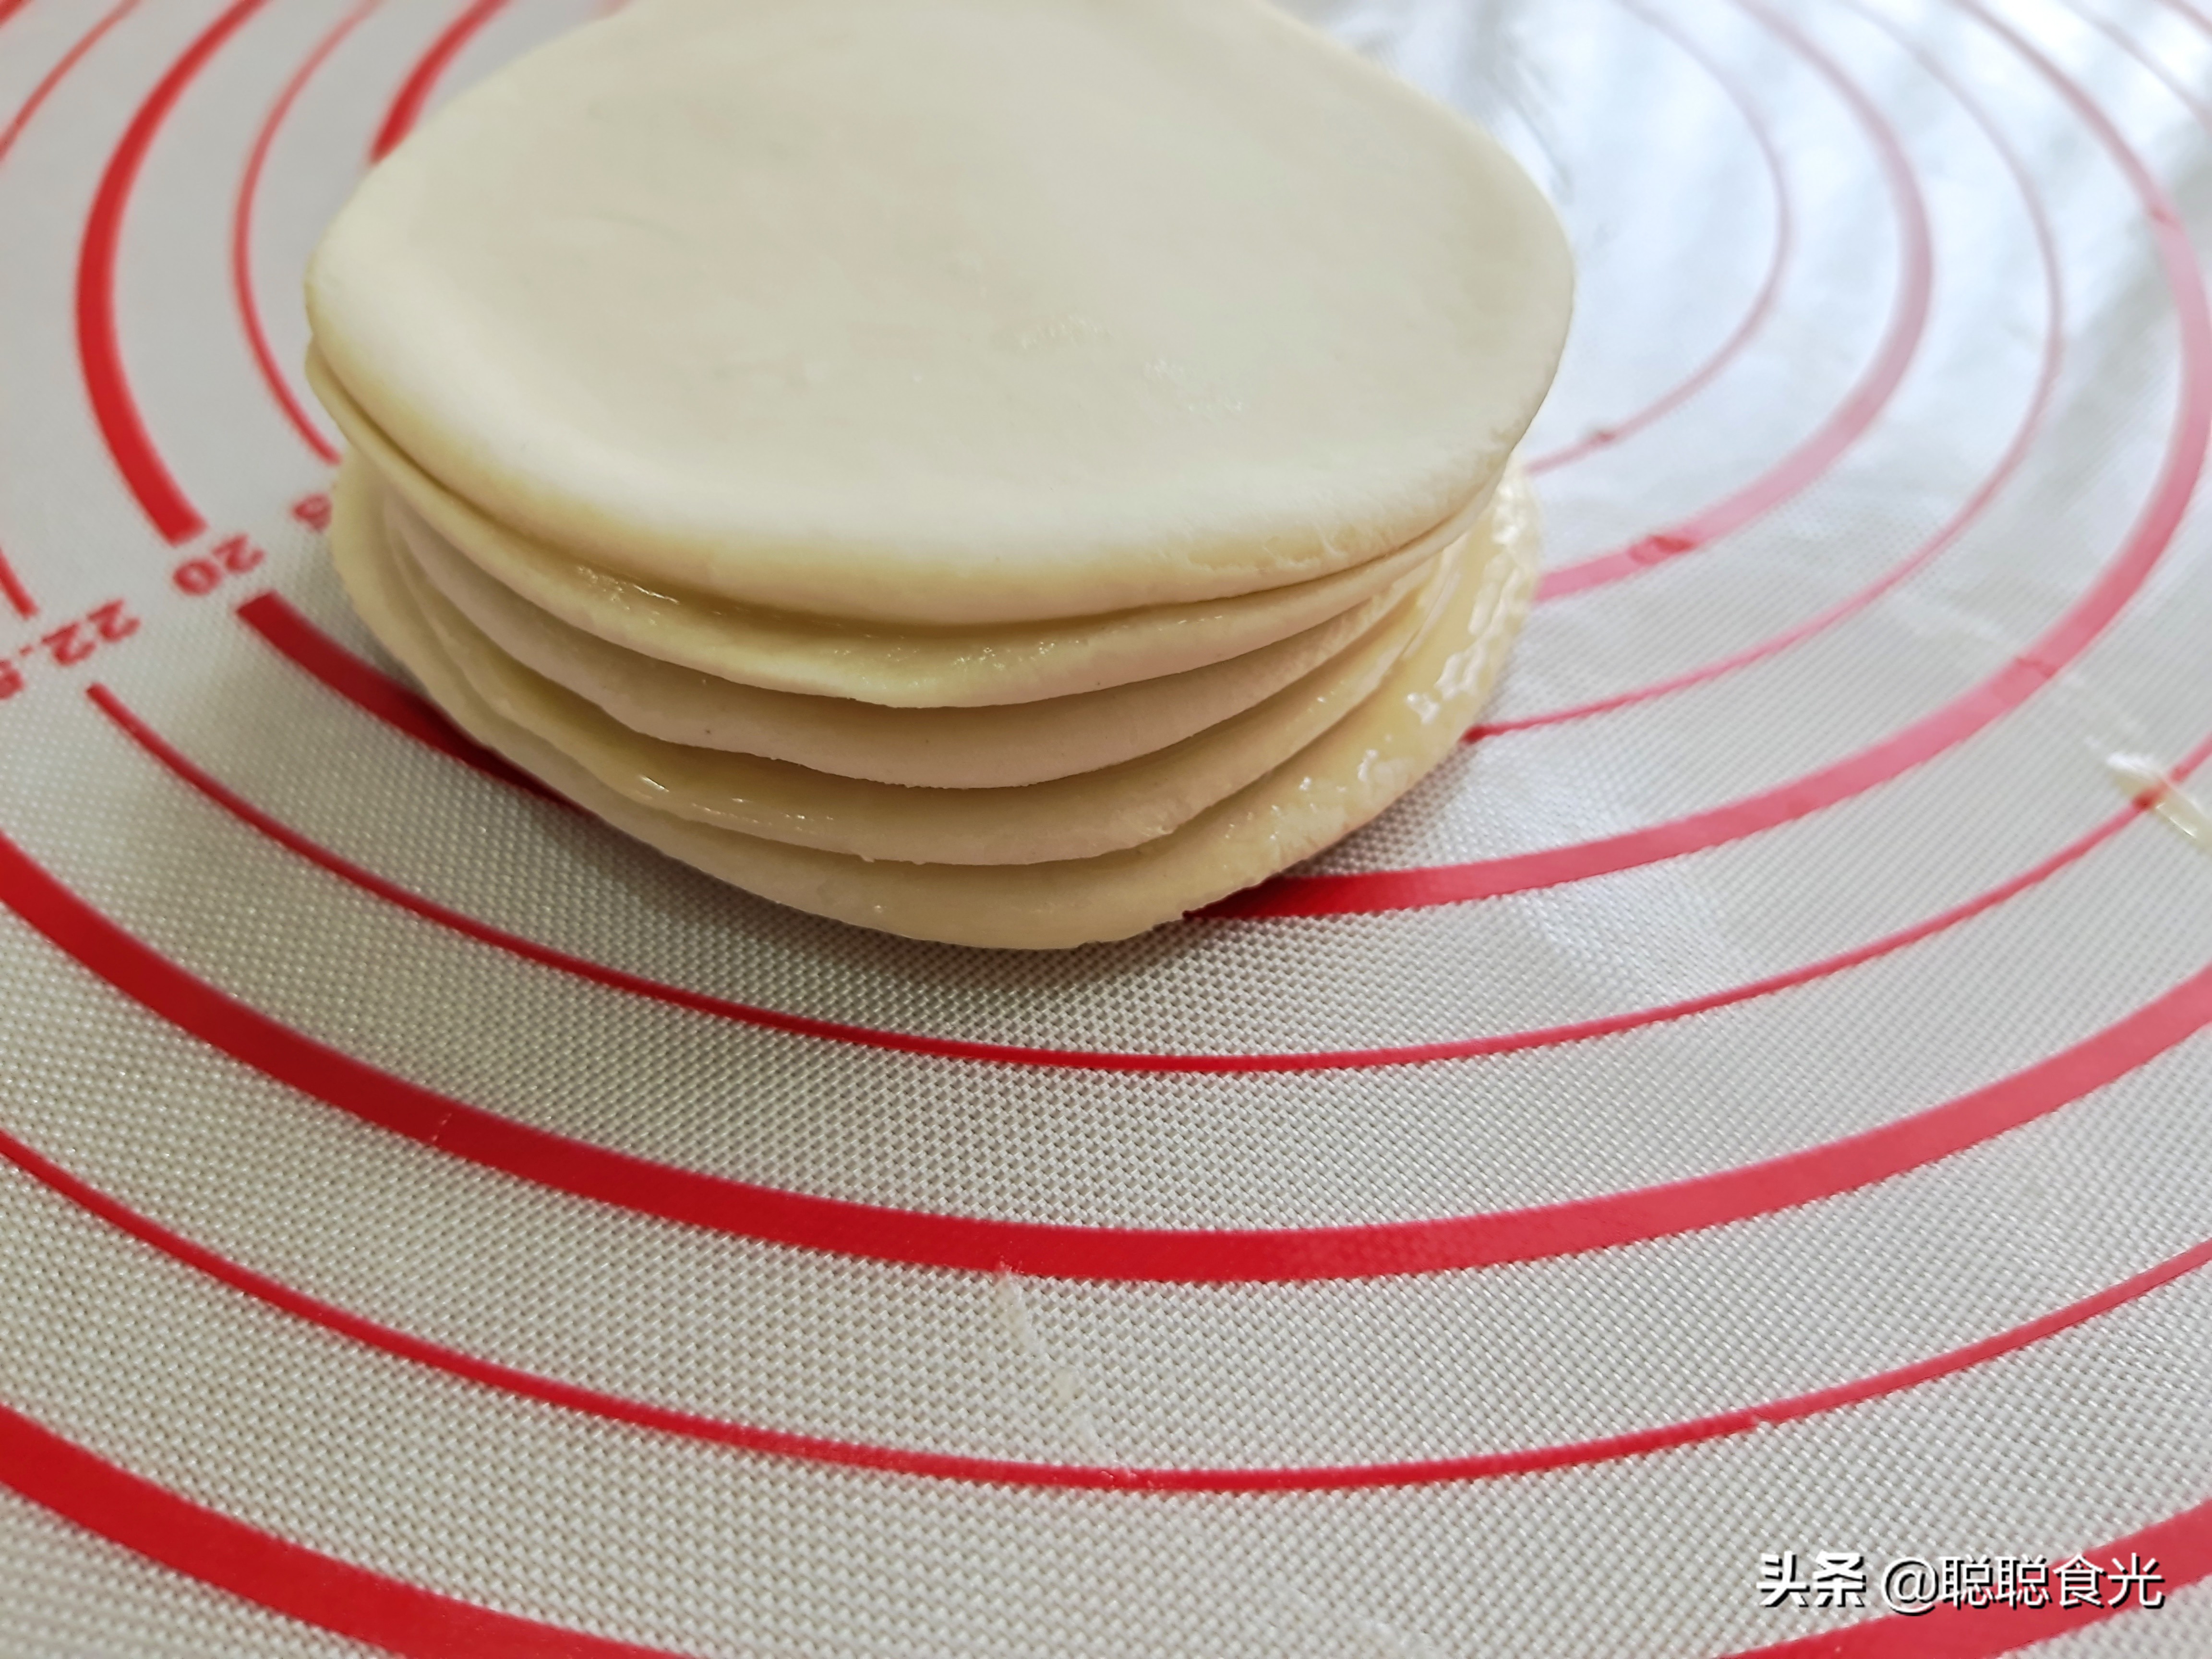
(896, 667)
(952, 313)
(1337, 783)
(988, 748)
(1071, 817)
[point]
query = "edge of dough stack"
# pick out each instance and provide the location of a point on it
(1007, 472)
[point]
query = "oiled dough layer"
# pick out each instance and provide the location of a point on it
(949, 312)
(1334, 785)
(991, 748)
(1070, 818)
(897, 667)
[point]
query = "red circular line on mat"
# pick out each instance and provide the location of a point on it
(415, 91)
(700, 1002)
(2009, 463)
(54, 76)
(1193, 1256)
(951, 1466)
(1762, 302)
(12, 589)
(2181, 8)
(100, 347)
(242, 235)
(11, 585)
(1811, 460)
(2166, 77)
(205, 1544)
(211, 1548)
(377, 694)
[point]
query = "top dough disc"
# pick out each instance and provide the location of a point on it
(949, 311)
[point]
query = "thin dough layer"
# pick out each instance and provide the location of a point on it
(1330, 788)
(905, 668)
(991, 747)
(949, 312)
(1073, 818)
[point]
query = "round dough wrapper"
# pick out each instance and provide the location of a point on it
(1073, 817)
(950, 312)
(1338, 783)
(907, 668)
(993, 747)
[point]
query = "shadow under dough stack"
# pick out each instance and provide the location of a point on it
(1001, 474)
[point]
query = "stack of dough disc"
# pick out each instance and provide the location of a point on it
(1003, 471)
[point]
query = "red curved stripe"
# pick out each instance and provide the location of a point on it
(12, 589)
(100, 347)
(700, 1002)
(1368, 892)
(1193, 1256)
(273, 1572)
(11, 586)
(1762, 303)
(1810, 460)
(415, 91)
(241, 236)
(943, 1466)
(2198, 110)
(54, 76)
(320, 1590)
(2009, 463)
(375, 694)
(2181, 8)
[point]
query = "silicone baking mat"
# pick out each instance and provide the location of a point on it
(1726, 1165)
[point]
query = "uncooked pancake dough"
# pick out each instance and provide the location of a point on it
(1001, 472)
(986, 748)
(953, 312)
(1070, 818)
(1334, 785)
(910, 667)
